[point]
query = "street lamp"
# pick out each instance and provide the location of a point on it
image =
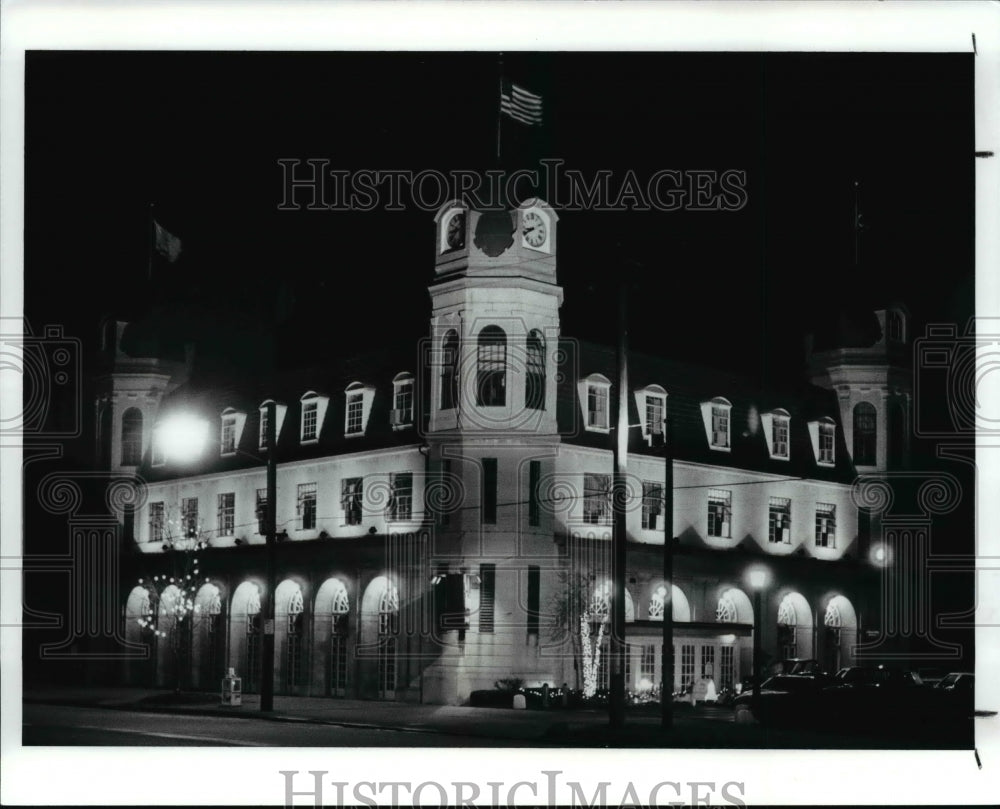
(758, 578)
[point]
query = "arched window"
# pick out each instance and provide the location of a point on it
(132, 437)
(534, 392)
(491, 368)
(449, 370)
(865, 434)
(726, 612)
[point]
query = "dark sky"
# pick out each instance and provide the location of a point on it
(201, 133)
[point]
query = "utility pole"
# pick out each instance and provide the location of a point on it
(667, 656)
(267, 652)
(619, 495)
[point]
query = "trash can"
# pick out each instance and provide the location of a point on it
(232, 689)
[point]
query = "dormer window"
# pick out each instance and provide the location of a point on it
(280, 410)
(822, 434)
(651, 402)
(402, 401)
(231, 430)
(716, 417)
(596, 394)
(776, 431)
(358, 401)
(313, 412)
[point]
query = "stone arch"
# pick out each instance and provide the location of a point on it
(290, 637)
(331, 633)
(140, 629)
(838, 636)
(734, 607)
(208, 659)
(680, 608)
(377, 643)
(795, 627)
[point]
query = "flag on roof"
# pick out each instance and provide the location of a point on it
(520, 104)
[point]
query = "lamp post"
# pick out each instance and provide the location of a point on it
(757, 577)
(619, 554)
(267, 650)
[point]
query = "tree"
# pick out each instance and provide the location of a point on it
(580, 616)
(173, 605)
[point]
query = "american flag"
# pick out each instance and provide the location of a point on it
(520, 104)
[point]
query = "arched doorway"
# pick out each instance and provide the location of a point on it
(795, 625)
(839, 634)
(289, 640)
(330, 638)
(245, 635)
(174, 625)
(379, 630)
(140, 628)
(209, 659)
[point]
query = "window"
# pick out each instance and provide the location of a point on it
(534, 393)
(653, 425)
(779, 520)
(647, 662)
(725, 610)
(489, 492)
(687, 664)
(865, 434)
(355, 413)
(596, 499)
(708, 661)
(894, 325)
(534, 598)
(351, 494)
(491, 368)
(132, 437)
(534, 505)
(189, 517)
(293, 641)
(401, 497)
(156, 523)
(261, 511)
(449, 370)
(309, 420)
(727, 671)
(652, 506)
(307, 506)
(279, 411)
(597, 406)
(227, 512)
(720, 426)
(227, 443)
(402, 401)
(826, 525)
(720, 513)
(826, 442)
(487, 596)
(779, 437)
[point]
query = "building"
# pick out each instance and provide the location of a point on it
(444, 513)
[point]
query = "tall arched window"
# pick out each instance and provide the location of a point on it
(449, 370)
(491, 368)
(534, 393)
(865, 434)
(132, 437)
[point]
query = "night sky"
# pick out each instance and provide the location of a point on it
(200, 135)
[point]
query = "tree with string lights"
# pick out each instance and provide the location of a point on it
(580, 615)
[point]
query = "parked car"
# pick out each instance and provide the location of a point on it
(953, 696)
(864, 695)
(784, 699)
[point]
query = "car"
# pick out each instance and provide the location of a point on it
(785, 699)
(957, 681)
(864, 695)
(953, 697)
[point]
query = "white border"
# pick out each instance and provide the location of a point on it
(248, 776)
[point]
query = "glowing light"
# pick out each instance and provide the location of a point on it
(880, 555)
(661, 591)
(183, 437)
(645, 684)
(758, 577)
(727, 639)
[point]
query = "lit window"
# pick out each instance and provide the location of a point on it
(402, 405)
(720, 513)
(826, 442)
(228, 434)
(309, 420)
(261, 511)
(132, 437)
(307, 505)
(596, 499)
(654, 415)
(826, 525)
(263, 427)
(720, 426)
(652, 506)
(156, 522)
(279, 410)
(779, 520)
(189, 517)
(647, 662)
(779, 437)
(227, 513)
(597, 406)
(355, 413)
(351, 493)
(401, 496)
(491, 368)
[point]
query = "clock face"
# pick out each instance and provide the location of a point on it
(455, 236)
(533, 231)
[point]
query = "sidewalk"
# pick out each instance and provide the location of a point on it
(572, 728)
